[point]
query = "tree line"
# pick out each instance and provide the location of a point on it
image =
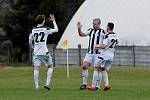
(20, 19)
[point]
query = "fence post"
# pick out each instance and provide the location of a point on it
(133, 55)
(79, 52)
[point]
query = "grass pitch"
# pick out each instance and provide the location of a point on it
(16, 83)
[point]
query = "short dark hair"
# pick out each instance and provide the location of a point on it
(111, 25)
(40, 19)
(97, 19)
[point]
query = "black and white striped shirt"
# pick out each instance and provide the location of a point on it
(95, 37)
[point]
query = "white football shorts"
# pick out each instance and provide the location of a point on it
(101, 62)
(42, 60)
(90, 58)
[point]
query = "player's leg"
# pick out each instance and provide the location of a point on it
(49, 76)
(86, 63)
(96, 79)
(85, 75)
(104, 70)
(36, 77)
(106, 81)
(36, 61)
(48, 60)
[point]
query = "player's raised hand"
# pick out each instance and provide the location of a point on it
(79, 25)
(52, 17)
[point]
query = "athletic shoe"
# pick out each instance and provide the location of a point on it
(92, 88)
(106, 87)
(46, 87)
(82, 87)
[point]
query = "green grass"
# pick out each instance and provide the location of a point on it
(127, 84)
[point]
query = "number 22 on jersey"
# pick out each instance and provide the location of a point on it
(39, 37)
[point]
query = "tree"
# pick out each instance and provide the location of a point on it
(21, 19)
(54, 7)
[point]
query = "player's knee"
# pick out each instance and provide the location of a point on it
(102, 68)
(50, 66)
(98, 69)
(85, 66)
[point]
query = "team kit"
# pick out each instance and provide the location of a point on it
(100, 54)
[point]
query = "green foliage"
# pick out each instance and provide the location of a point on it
(20, 19)
(54, 7)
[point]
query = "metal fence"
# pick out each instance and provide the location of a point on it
(124, 56)
(5, 52)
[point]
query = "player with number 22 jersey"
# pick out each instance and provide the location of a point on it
(41, 56)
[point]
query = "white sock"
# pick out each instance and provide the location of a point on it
(36, 78)
(99, 79)
(96, 79)
(49, 76)
(105, 77)
(85, 75)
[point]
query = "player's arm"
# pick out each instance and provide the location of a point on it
(102, 45)
(31, 41)
(103, 42)
(80, 32)
(52, 18)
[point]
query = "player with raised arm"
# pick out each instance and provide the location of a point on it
(96, 36)
(41, 56)
(106, 56)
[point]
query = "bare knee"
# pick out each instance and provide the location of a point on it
(98, 69)
(50, 66)
(85, 65)
(102, 69)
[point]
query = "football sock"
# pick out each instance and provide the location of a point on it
(85, 75)
(49, 76)
(36, 78)
(96, 79)
(105, 77)
(99, 79)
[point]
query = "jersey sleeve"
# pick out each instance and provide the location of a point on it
(48, 30)
(106, 40)
(102, 36)
(30, 41)
(55, 29)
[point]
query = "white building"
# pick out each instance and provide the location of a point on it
(131, 18)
